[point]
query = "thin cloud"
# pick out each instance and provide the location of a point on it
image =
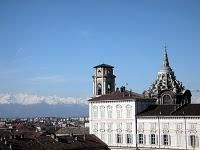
(52, 78)
(20, 50)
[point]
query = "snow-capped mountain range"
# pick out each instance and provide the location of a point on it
(30, 105)
(29, 99)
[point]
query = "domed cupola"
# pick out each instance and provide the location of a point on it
(166, 88)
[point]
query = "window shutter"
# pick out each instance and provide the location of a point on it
(131, 138)
(126, 138)
(122, 138)
(144, 139)
(189, 141)
(169, 140)
(137, 138)
(156, 140)
(197, 141)
(149, 139)
(162, 140)
(116, 137)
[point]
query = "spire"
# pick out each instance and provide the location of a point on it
(165, 64)
(165, 59)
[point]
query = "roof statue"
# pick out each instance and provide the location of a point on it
(166, 88)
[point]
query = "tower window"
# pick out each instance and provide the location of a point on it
(99, 91)
(109, 88)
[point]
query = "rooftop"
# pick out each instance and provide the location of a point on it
(118, 95)
(103, 66)
(172, 110)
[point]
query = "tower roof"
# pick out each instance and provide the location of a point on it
(165, 63)
(103, 66)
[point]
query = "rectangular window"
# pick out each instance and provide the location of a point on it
(102, 109)
(102, 126)
(119, 138)
(153, 139)
(153, 126)
(109, 138)
(179, 126)
(193, 126)
(141, 138)
(166, 126)
(129, 138)
(192, 140)
(179, 140)
(110, 126)
(119, 126)
(140, 126)
(129, 126)
(165, 139)
(95, 127)
(119, 113)
(103, 136)
(95, 112)
(109, 113)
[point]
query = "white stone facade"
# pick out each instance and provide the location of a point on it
(170, 132)
(114, 121)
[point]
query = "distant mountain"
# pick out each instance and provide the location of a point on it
(26, 105)
(195, 96)
(43, 109)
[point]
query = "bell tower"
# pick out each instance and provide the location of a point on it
(103, 80)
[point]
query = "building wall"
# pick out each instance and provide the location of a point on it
(119, 123)
(178, 129)
(122, 124)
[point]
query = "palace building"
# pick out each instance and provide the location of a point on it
(162, 117)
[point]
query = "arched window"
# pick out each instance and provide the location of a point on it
(102, 110)
(99, 89)
(109, 110)
(119, 111)
(128, 111)
(109, 87)
(95, 112)
(167, 99)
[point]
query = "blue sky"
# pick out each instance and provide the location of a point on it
(49, 47)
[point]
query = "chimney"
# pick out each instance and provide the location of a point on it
(84, 137)
(117, 89)
(122, 89)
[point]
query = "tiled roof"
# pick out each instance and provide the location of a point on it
(73, 130)
(188, 110)
(172, 110)
(103, 66)
(45, 142)
(119, 96)
(158, 110)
